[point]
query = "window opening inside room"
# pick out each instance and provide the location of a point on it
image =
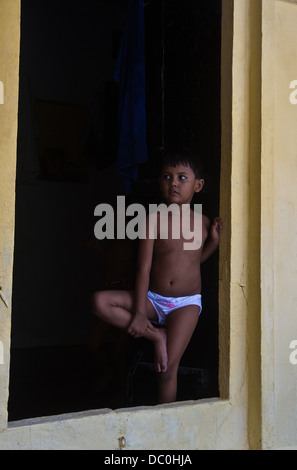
(62, 359)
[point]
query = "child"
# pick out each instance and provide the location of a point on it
(168, 280)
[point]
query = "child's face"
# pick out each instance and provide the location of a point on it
(178, 184)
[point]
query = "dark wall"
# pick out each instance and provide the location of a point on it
(183, 59)
(68, 56)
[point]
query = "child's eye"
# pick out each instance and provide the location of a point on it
(166, 177)
(182, 177)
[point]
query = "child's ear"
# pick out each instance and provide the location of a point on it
(199, 185)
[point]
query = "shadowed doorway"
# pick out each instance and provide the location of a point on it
(67, 165)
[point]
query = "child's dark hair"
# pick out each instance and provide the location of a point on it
(184, 158)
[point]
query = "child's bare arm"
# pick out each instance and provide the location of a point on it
(140, 321)
(213, 239)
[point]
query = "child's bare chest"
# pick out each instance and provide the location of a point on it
(177, 236)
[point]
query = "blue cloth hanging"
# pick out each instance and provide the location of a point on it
(130, 73)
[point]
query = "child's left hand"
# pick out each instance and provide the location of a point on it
(138, 325)
(214, 231)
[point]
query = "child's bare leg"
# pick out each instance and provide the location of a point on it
(160, 349)
(180, 326)
(116, 307)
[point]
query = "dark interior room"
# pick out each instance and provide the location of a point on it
(62, 358)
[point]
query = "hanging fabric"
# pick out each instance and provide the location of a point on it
(130, 73)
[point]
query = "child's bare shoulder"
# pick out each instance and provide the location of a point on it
(205, 221)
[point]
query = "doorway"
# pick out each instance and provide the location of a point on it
(67, 165)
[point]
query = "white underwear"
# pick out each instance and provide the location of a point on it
(166, 305)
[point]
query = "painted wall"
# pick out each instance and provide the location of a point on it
(280, 429)
(187, 425)
(257, 407)
(9, 66)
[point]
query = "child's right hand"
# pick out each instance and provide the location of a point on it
(138, 326)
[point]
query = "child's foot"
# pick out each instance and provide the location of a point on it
(160, 361)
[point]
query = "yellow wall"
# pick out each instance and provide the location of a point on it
(9, 65)
(258, 275)
(279, 263)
